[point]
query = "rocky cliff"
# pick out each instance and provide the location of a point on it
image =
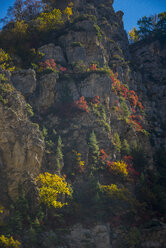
(88, 80)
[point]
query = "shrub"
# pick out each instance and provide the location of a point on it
(117, 168)
(112, 191)
(98, 31)
(77, 44)
(79, 165)
(133, 237)
(81, 104)
(9, 242)
(6, 61)
(29, 110)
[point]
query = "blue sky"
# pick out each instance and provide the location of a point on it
(133, 9)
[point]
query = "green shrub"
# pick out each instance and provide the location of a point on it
(77, 44)
(98, 31)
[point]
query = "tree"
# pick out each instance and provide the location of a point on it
(133, 35)
(94, 150)
(5, 61)
(31, 9)
(48, 21)
(161, 24)
(23, 10)
(146, 26)
(59, 154)
(51, 189)
(6, 242)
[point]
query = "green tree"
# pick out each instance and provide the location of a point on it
(125, 147)
(59, 155)
(161, 24)
(94, 151)
(116, 141)
(146, 26)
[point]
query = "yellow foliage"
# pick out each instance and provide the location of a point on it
(5, 61)
(134, 37)
(49, 20)
(1, 209)
(80, 165)
(51, 189)
(119, 167)
(68, 12)
(9, 242)
(20, 28)
(114, 192)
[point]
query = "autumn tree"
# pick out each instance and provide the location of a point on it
(52, 189)
(5, 61)
(48, 21)
(133, 35)
(9, 242)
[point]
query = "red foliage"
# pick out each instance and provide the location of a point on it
(130, 95)
(93, 67)
(103, 155)
(95, 100)
(49, 63)
(109, 165)
(82, 104)
(136, 121)
(129, 161)
(140, 105)
(62, 69)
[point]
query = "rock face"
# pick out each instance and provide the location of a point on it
(97, 237)
(21, 146)
(24, 81)
(80, 97)
(149, 58)
(51, 51)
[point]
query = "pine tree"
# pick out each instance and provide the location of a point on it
(125, 147)
(59, 155)
(93, 150)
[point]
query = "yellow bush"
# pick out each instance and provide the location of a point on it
(1, 209)
(9, 242)
(51, 189)
(68, 12)
(114, 192)
(119, 167)
(5, 61)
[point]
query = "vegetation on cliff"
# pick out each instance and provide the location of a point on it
(98, 163)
